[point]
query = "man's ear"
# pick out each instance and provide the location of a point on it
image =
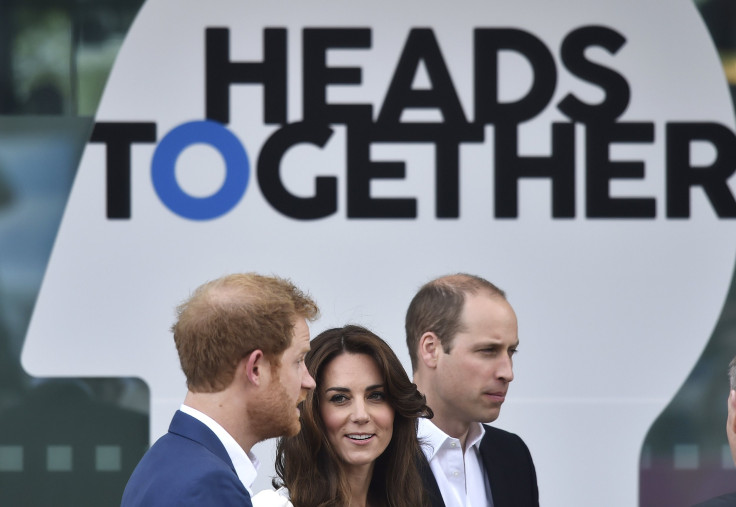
(255, 367)
(430, 349)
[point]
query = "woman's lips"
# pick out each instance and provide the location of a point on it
(360, 438)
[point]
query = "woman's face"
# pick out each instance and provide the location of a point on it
(357, 416)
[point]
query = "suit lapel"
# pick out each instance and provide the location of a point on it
(187, 426)
(429, 482)
(492, 469)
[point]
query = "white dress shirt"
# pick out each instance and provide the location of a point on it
(246, 464)
(271, 498)
(460, 476)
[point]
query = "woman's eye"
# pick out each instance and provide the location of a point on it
(377, 395)
(338, 398)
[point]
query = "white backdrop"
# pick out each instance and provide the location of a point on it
(613, 313)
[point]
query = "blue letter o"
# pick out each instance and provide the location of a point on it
(163, 170)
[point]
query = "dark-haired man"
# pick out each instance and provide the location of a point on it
(462, 335)
(729, 499)
(241, 341)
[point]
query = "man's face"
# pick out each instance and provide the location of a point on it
(473, 379)
(277, 411)
(731, 424)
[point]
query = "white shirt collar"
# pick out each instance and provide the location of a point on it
(245, 464)
(460, 476)
(433, 438)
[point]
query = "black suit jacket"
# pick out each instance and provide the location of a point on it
(508, 465)
(728, 500)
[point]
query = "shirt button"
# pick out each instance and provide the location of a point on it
(453, 444)
(455, 474)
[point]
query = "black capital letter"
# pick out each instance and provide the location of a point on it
(600, 171)
(488, 43)
(317, 75)
(118, 137)
(681, 175)
(221, 73)
(324, 201)
(421, 46)
(361, 170)
(614, 85)
(559, 167)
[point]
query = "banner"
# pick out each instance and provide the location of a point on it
(567, 152)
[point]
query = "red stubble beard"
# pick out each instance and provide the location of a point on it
(274, 414)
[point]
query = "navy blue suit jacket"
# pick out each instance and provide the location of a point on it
(509, 466)
(186, 467)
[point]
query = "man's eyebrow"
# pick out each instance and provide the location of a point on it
(489, 344)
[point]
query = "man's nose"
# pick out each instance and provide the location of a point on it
(506, 369)
(307, 381)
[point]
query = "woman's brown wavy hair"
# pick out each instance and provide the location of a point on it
(308, 465)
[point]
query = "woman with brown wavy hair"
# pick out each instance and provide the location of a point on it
(358, 445)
